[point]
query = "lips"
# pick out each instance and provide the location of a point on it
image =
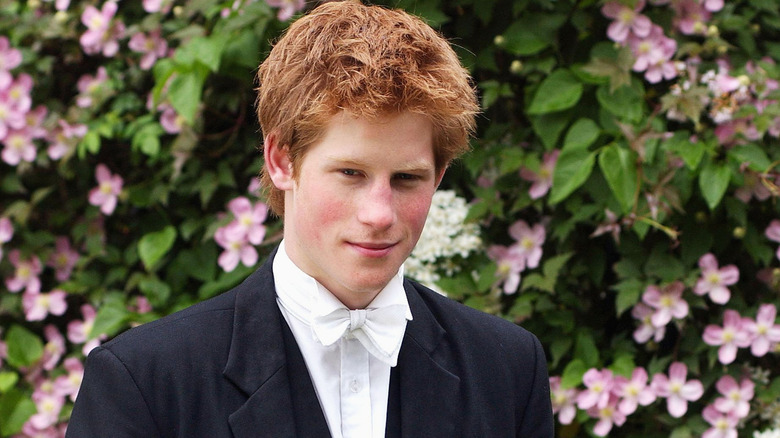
(373, 249)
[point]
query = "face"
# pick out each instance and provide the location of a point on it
(358, 205)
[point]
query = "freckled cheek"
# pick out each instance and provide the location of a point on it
(414, 212)
(324, 213)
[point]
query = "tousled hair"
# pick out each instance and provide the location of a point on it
(368, 61)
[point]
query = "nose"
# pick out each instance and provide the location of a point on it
(377, 207)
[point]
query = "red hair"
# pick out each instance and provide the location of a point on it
(368, 61)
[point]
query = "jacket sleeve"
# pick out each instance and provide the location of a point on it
(537, 417)
(109, 403)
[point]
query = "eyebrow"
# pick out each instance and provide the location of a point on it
(417, 166)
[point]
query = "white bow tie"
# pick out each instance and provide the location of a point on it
(379, 330)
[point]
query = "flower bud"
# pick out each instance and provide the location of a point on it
(516, 67)
(738, 232)
(499, 40)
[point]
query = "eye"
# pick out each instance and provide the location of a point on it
(406, 177)
(349, 172)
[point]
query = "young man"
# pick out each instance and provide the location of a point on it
(362, 109)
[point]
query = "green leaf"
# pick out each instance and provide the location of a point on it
(7, 380)
(110, 318)
(619, 168)
(581, 135)
(551, 268)
(15, 409)
(681, 145)
(559, 347)
(713, 182)
(559, 91)
(532, 33)
(585, 348)
(623, 365)
(548, 127)
(24, 347)
(153, 246)
(185, 92)
(147, 139)
(571, 171)
(751, 154)
(628, 293)
(572, 374)
(625, 102)
(155, 290)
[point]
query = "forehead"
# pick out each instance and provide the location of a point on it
(398, 137)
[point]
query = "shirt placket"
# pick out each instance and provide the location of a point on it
(355, 390)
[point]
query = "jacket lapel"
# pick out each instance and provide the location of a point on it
(429, 384)
(258, 365)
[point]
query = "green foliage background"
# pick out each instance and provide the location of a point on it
(549, 79)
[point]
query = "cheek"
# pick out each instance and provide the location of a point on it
(415, 211)
(322, 210)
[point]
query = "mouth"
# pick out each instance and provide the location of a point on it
(373, 249)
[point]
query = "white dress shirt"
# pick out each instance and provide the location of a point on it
(352, 385)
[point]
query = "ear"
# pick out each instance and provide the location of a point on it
(277, 163)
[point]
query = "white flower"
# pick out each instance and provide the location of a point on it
(769, 433)
(445, 236)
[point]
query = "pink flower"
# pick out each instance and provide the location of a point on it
(11, 117)
(152, 47)
(162, 6)
(752, 188)
(68, 385)
(91, 88)
(529, 241)
(773, 233)
(736, 398)
(653, 55)
(608, 415)
(38, 305)
(563, 401)
(691, 17)
(233, 238)
(677, 391)
(10, 58)
(6, 233)
(26, 273)
(63, 259)
(287, 7)
(108, 189)
(542, 180)
(730, 337)
(54, 348)
(250, 218)
(48, 405)
(510, 265)
(713, 281)
(646, 329)
(102, 31)
(712, 5)
(64, 139)
(724, 425)
(633, 392)
(170, 121)
(763, 331)
(626, 20)
(599, 386)
(81, 331)
(610, 225)
(18, 147)
(667, 302)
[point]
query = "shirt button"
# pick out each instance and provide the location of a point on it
(354, 386)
